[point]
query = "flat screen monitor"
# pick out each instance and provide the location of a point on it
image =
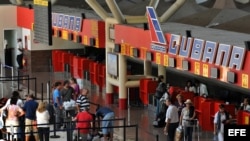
(136, 52)
(171, 62)
(117, 48)
(185, 65)
(112, 64)
(231, 77)
(149, 56)
(214, 73)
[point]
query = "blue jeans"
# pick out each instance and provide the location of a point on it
(43, 133)
(58, 117)
(108, 122)
(157, 106)
(188, 132)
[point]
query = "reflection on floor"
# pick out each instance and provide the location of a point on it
(142, 116)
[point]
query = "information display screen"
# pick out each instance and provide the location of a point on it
(42, 22)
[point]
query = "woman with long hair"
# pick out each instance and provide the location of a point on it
(42, 117)
(14, 112)
(75, 86)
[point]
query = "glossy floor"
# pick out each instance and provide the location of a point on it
(135, 115)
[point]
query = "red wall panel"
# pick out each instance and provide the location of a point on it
(136, 37)
(25, 17)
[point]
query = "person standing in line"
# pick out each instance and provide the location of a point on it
(172, 120)
(82, 101)
(66, 92)
(84, 123)
(20, 50)
(43, 117)
(15, 94)
(187, 118)
(179, 103)
(75, 86)
(14, 112)
(30, 107)
(160, 90)
(57, 103)
(107, 116)
(221, 118)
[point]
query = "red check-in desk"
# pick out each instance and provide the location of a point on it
(207, 109)
(243, 118)
(147, 86)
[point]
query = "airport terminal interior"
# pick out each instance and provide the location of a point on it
(114, 48)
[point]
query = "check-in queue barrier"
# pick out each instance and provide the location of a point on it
(18, 79)
(70, 128)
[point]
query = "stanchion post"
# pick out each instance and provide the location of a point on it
(1, 70)
(42, 91)
(12, 75)
(35, 89)
(28, 85)
(18, 81)
(157, 137)
(136, 133)
(124, 129)
(55, 136)
(47, 92)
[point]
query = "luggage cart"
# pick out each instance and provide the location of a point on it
(192, 124)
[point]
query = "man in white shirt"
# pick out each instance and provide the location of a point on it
(20, 50)
(221, 118)
(201, 89)
(172, 120)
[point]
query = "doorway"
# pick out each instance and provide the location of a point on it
(10, 37)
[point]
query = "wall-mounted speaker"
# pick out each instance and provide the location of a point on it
(59, 33)
(215, 73)
(247, 44)
(185, 65)
(188, 33)
(231, 77)
(117, 48)
(136, 52)
(70, 36)
(171, 62)
(92, 41)
(78, 38)
(149, 56)
(145, 26)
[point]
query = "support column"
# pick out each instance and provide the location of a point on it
(147, 67)
(122, 80)
(109, 22)
(109, 86)
(162, 71)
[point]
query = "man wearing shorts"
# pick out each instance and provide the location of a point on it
(30, 107)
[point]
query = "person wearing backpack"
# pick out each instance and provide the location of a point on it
(221, 118)
(160, 90)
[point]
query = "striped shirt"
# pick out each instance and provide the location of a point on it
(83, 102)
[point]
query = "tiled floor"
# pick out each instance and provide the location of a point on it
(140, 116)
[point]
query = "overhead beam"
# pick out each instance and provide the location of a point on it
(115, 11)
(98, 8)
(171, 10)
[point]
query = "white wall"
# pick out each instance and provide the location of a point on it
(6, 11)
